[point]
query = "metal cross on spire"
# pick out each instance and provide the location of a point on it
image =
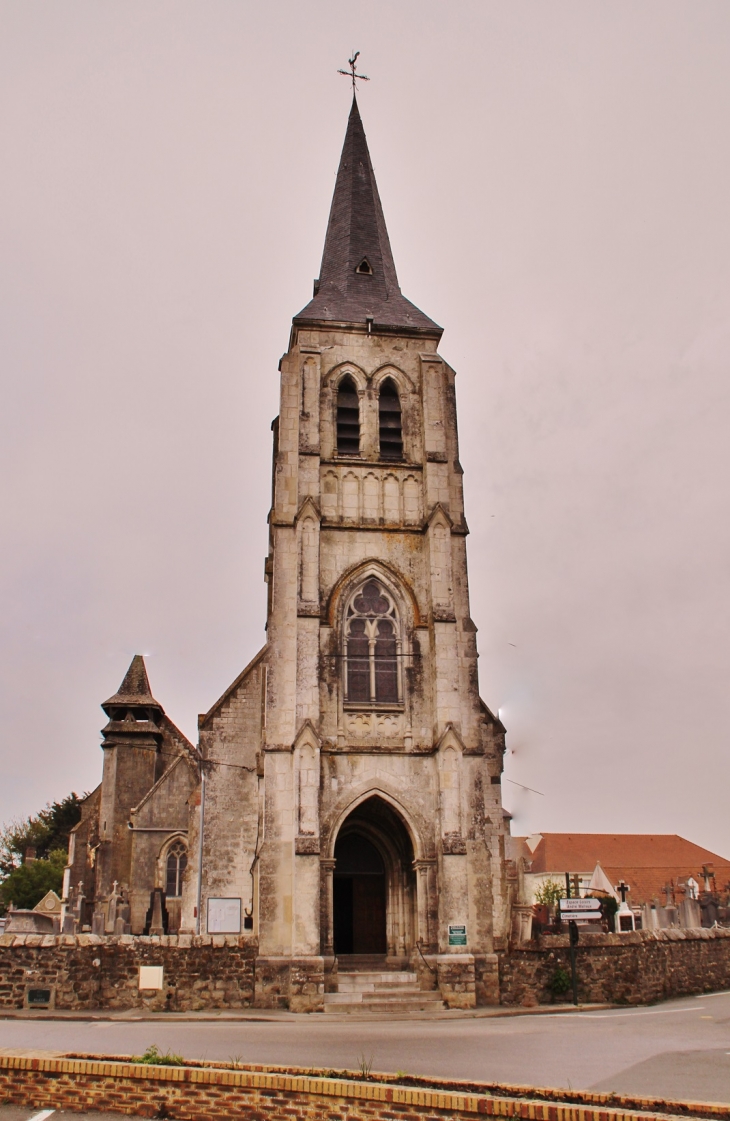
(352, 63)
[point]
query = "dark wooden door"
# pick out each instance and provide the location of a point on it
(359, 914)
(368, 914)
(343, 914)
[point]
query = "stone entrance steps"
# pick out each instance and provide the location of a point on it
(372, 985)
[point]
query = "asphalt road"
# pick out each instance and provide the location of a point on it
(680, 1049)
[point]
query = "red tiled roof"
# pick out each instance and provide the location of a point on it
(645, 861)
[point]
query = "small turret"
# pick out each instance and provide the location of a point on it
(132, 765)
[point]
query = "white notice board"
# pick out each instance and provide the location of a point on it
(151, 976)
(224, 916)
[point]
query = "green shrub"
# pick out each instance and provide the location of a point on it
(154, 1057)
(549, 893)
(560, 981)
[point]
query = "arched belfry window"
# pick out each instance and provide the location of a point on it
(348, 418)
(372, 643)
(391, 427)
(177, 862)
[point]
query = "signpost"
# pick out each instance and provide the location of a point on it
(580, 910)
(574, 911)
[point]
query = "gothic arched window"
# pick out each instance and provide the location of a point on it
(391, 427)
(177, 862)
(372, 647)
(348, 418)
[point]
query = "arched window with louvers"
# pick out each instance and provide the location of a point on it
(390, 422)
(348, 417)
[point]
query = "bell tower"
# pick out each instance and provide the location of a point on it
(382, 826)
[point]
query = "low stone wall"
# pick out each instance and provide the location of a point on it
(83, 971)
(635, 968)
(209, 1091)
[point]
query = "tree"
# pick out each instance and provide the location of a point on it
(27, 884)
(44, 832)
(550, 892)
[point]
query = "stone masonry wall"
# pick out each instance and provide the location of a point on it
(218, 971)
(636, 968)
(85, 972)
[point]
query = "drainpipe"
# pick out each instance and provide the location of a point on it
(200, 847)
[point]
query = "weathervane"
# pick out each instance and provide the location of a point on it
(352, 63)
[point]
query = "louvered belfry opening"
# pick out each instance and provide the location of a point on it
(348, 418)
(391, 429)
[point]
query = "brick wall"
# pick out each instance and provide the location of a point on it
(636, 968)
(83, 971)
(207, 1092)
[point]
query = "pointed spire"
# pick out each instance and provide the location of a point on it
(135, 689)
(357, 279)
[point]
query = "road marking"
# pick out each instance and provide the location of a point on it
(704, 996)
(42, 1115)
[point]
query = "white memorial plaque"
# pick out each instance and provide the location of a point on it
(151, 976)
(224, 916)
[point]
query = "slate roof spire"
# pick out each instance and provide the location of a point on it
(135, 689)
(357, 279)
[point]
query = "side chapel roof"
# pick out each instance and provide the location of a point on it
(357, 279)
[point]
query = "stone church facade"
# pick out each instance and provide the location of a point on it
(348, 781)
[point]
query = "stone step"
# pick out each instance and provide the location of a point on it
(368, 963)
(348, 981)
(384, 1006)
(397, 996)
(378, 987)
(360, 997)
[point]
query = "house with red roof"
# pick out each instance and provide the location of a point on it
(648, 862)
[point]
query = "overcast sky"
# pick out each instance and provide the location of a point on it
(555, 177)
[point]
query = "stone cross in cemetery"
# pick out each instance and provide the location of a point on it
(572, 880)
(112, 906)
(670, 909)
(708, 874)
(625, 920)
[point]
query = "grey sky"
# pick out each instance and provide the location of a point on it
(555, 178)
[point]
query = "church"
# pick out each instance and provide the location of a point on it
(342, 808)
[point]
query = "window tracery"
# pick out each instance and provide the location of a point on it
(373, 646)
(177, 862)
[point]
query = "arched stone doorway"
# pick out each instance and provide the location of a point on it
(374, 883)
